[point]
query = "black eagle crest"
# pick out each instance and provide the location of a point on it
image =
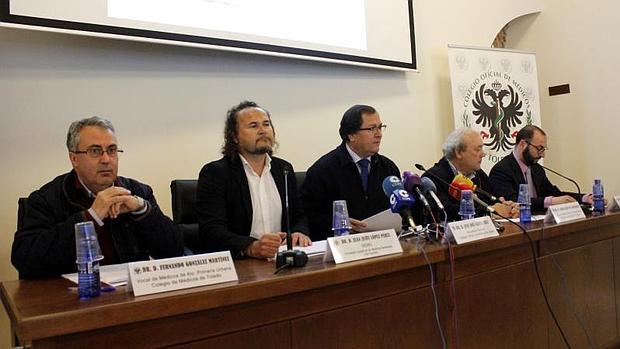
(499, 116)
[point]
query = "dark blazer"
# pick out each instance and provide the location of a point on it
(506, 176)
(45, 245)
(224, 204)
(443, 170)
(335, 177)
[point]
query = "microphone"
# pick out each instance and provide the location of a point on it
(290, 257)
(412, 183)
(456, 193)
(449, 185)
(467, 183)
(400, 200)
(563, 176)
(428, 187)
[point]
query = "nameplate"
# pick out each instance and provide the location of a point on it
(162, 275)
(349, 248)
(564, 212)
(472, 229)
(615, 204)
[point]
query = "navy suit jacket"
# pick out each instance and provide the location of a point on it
(506, 176)
(335, 177)
(224, 204)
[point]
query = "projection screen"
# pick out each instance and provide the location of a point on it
(378, 33)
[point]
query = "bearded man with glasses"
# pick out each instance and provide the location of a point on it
(521, 167)
(129, 224)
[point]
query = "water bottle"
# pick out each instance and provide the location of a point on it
(598, 197)
(525, 213)
(340, 219)
(467, 210)
(88, 255)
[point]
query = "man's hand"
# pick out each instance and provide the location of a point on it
(107, 198)
(357, 226)
(299, 239)
(266, 246)
(564, 199)
(128, 204)
(507, 208)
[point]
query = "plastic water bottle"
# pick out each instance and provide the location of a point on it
(525, 213)
(467, 210)
(340, 219)
(88, 255)
(599, 197)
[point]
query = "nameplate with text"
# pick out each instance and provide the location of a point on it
(348, 248)
(162, 275)
(615, 204)
(564, 213)
(472, 229)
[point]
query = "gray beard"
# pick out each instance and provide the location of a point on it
(261, 150)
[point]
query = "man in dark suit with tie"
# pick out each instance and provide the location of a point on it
(521, 167)
(354, 172)
(240, 199)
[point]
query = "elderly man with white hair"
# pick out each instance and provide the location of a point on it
(463, 153)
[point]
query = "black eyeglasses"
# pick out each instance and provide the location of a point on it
(97, 152)
(374, 129)
(539, 148)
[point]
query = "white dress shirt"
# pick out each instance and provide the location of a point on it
(266, 204)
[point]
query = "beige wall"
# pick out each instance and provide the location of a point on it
(577, 44)
(168, 103)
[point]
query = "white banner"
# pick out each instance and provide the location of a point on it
(495, 92)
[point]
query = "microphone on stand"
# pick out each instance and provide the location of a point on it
(469, 184)
(400, 200)
(563, 176)
(429, 187)
(290, 257)
(412, 183)
(458, 184)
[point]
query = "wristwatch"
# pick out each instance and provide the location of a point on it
(140, 202)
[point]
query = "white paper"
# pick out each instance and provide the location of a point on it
(113, 275)
(472, 229)
(317, 247)
(355, 247)
(564, 212)
(169, 274)
(383, 221)
(537, 217)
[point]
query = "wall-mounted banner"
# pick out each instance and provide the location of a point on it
(495, 92)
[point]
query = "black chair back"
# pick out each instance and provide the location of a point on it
(184, 200)
(184, 212)
(22, 209)
(300, 177)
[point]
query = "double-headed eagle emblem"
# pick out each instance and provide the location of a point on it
(500, 116)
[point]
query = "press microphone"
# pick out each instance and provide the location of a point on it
(412, 183)
(466, 183)
(456, 194)
(449, 185)
(290, 257)
(400, 200)
(429, 187)
(563, 176)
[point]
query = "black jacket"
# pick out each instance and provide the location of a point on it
(224, 204)
(506, 176)
(443, 170)
(335, 177)
(45, 245)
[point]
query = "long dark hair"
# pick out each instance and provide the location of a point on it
(230, 128)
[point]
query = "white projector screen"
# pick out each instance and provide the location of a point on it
(377, 33)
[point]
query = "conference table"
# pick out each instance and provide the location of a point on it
(384, 302)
